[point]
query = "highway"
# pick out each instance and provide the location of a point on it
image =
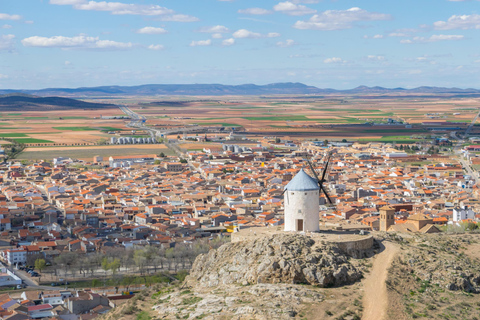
(139, 120)
(466, 166)
(471, 125)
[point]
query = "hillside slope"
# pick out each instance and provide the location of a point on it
(21, 102)
(410, 276)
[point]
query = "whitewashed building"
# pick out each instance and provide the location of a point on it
(301, 201)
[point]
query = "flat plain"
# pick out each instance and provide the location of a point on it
(366, 118)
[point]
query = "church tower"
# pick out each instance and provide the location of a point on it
(301, 202)
(387, 217)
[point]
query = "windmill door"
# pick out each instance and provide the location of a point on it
(300, 225)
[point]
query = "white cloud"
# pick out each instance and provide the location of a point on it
(459, 22)
(179, 18)
(155, 47)
(77, 42)
(151, 30)
(201, 43)
(378, 36)
(433, 38)
(6, 26)
(255, 11)
(293, 9)
(244, 33)
(214, 29)
(7, 42)
(3, 76)
(120, 8)
(375, 58)
(273, 35)
(6, 16)
(228, 42)
(340, 19)
(217, 36)
(67, 63)
(287, 43)
(334, 60)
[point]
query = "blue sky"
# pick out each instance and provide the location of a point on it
(330, 44)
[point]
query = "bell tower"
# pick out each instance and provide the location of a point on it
(387, 217)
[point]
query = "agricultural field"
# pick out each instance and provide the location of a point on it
(65, 127)
(81, 132)
(362, 118)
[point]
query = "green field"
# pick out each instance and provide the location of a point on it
(74, 128)
(391, 139)
(111, 129)
(32, 140)
(13, 134)
(35, 118)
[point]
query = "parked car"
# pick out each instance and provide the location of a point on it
(54, 284)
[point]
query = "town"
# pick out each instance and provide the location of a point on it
(102, 229)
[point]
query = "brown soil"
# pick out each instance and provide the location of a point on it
(375, 299)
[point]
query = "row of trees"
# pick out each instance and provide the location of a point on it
(120, 261)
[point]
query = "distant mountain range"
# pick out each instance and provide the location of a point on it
(288, 88)
(24, 102)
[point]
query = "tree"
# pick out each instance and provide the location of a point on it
(162, 155)
(156, 162)
(183, 161)
(277, 140)
(114, 266)
(325, 142)
(344, 140)
(40, 264)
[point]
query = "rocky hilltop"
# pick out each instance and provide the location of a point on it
(281, 258)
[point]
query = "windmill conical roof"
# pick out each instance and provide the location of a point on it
(302, 182)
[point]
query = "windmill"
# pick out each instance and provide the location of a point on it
(322, 180)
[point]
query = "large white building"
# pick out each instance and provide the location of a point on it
(301, 201)
(460, 214)
(15, 256)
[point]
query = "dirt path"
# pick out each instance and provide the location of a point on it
(375, 299)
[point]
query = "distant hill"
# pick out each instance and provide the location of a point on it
(22, 101)
(286, 88)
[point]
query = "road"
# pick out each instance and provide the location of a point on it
(466, 166)
(139, 120)
(471, 125)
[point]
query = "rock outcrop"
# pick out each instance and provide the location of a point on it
(280, 258)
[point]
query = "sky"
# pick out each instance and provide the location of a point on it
(329, 44)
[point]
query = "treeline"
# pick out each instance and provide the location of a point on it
(118, 262)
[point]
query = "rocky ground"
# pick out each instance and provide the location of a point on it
(434, 277)
(292, 276)
(281, 258)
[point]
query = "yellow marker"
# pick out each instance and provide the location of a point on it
(263, 164)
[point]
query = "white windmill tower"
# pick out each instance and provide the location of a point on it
(301, 201)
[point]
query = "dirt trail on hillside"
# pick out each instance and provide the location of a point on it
(375, 298)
